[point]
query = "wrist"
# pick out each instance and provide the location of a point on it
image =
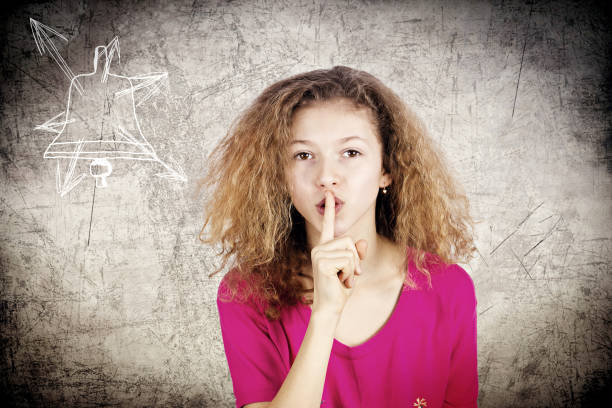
(325, 319)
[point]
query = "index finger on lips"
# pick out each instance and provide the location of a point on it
(327, 231)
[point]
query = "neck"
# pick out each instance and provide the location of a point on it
(380, 257)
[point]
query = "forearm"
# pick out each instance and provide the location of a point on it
(303, 386)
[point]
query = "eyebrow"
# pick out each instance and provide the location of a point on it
(343, 140)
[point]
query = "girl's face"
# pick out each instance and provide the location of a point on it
(335, 147)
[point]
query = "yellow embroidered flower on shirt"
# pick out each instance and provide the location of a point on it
(420, 403)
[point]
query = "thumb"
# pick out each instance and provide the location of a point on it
(362, 248)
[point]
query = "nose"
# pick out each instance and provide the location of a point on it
(327, 173)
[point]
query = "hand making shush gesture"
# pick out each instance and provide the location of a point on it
(335, 263)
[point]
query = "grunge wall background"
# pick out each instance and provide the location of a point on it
(105, 296)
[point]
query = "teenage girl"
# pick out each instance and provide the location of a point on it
(345, 227)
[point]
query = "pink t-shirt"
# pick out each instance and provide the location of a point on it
(424, 356)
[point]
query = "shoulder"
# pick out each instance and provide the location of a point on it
(230, 280)
(454, 278)
(238, 289)
(241, 313)
(451, 281)
(455, 288)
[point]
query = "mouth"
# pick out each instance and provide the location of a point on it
(321, 205)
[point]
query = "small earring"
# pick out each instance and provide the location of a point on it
(384, 190)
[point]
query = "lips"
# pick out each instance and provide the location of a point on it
(322, 202)
(338, 206)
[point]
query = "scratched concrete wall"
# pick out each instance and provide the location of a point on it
(105, 294)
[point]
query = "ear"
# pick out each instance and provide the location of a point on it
(385, 179)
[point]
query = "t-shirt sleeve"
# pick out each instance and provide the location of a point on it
(255, 364)
(462, 387)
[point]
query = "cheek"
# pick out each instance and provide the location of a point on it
(297, 178)
(295, 185)
(366, 177)
(290, 179)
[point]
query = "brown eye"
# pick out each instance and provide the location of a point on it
(300, 155)
(353, 153)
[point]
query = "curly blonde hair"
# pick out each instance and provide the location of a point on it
(249, 209)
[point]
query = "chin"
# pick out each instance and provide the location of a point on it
(340, 232)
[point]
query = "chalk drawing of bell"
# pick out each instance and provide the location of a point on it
(100, 122)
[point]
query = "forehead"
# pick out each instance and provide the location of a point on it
(337, 118)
